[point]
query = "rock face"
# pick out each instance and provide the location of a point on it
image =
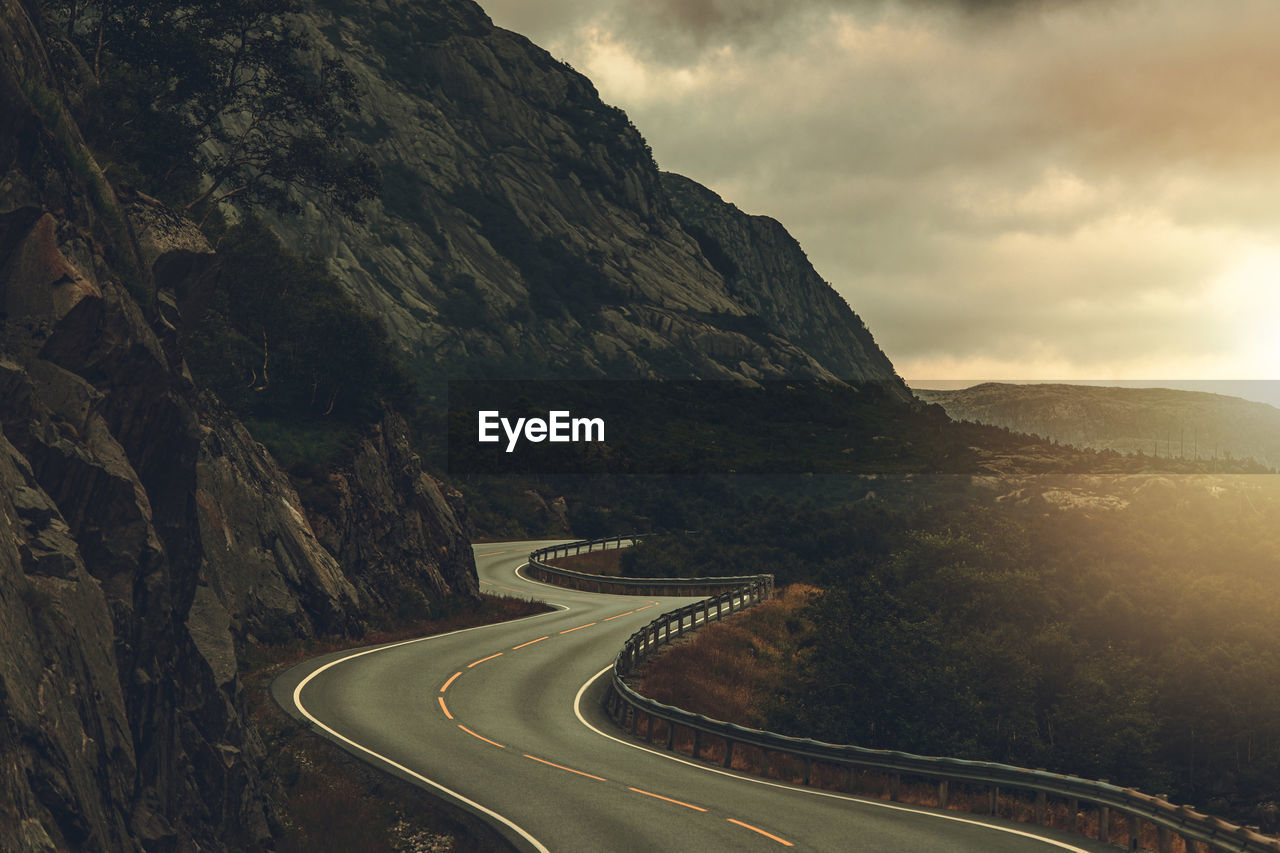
(145, 538)
(766, 270)
(523, 229)
(395, 522)
(265, 568)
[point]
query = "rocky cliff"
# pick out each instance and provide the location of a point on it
(523, 229)
(765, 270)
(145, 538)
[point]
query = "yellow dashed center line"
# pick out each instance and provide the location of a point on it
(482, 660)
(579, 628)
(646, 607)
(567, 769)
(619, 616)
(444, 707)
(499, 586)
(450, 681)
(784, 842)
(530, 643)
(481, 737)
(493, 553)
(668, 799)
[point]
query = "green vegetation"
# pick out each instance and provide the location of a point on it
(1136, 643)
(284, 347)
(202, 101)
(559, 281)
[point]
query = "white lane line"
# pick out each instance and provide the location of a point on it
(577, 711)
(297, 702)
(559, 591)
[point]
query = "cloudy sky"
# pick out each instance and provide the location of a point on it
(1010, 189)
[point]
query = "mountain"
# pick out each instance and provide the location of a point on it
(148, 541)
(523, 229)
(1153, 421)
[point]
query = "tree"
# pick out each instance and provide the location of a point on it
(205, 101)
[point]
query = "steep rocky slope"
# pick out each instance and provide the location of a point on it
(765, 270)
(145, 538)
(523, 229)
(1154, 421)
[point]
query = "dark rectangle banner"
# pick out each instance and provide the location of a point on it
(685, 427)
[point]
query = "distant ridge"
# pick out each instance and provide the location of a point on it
(1154, 421)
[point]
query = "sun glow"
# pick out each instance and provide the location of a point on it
(1247, 296)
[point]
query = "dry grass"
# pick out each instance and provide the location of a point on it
(491, 609)
(325, 799)
(592, 563)
(732, 670)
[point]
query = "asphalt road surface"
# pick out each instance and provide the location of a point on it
(505, 721)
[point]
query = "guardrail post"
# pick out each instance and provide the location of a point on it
(645, 642)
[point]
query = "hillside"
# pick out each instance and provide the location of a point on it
(1153, 421)
(148, 544)
(524, 230)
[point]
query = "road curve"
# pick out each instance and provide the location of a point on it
(505, 721)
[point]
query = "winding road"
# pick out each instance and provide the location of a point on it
(505, 721)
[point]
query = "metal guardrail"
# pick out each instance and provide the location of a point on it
(540, 570)
(642, 716)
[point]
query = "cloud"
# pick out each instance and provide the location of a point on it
(1069, 185)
